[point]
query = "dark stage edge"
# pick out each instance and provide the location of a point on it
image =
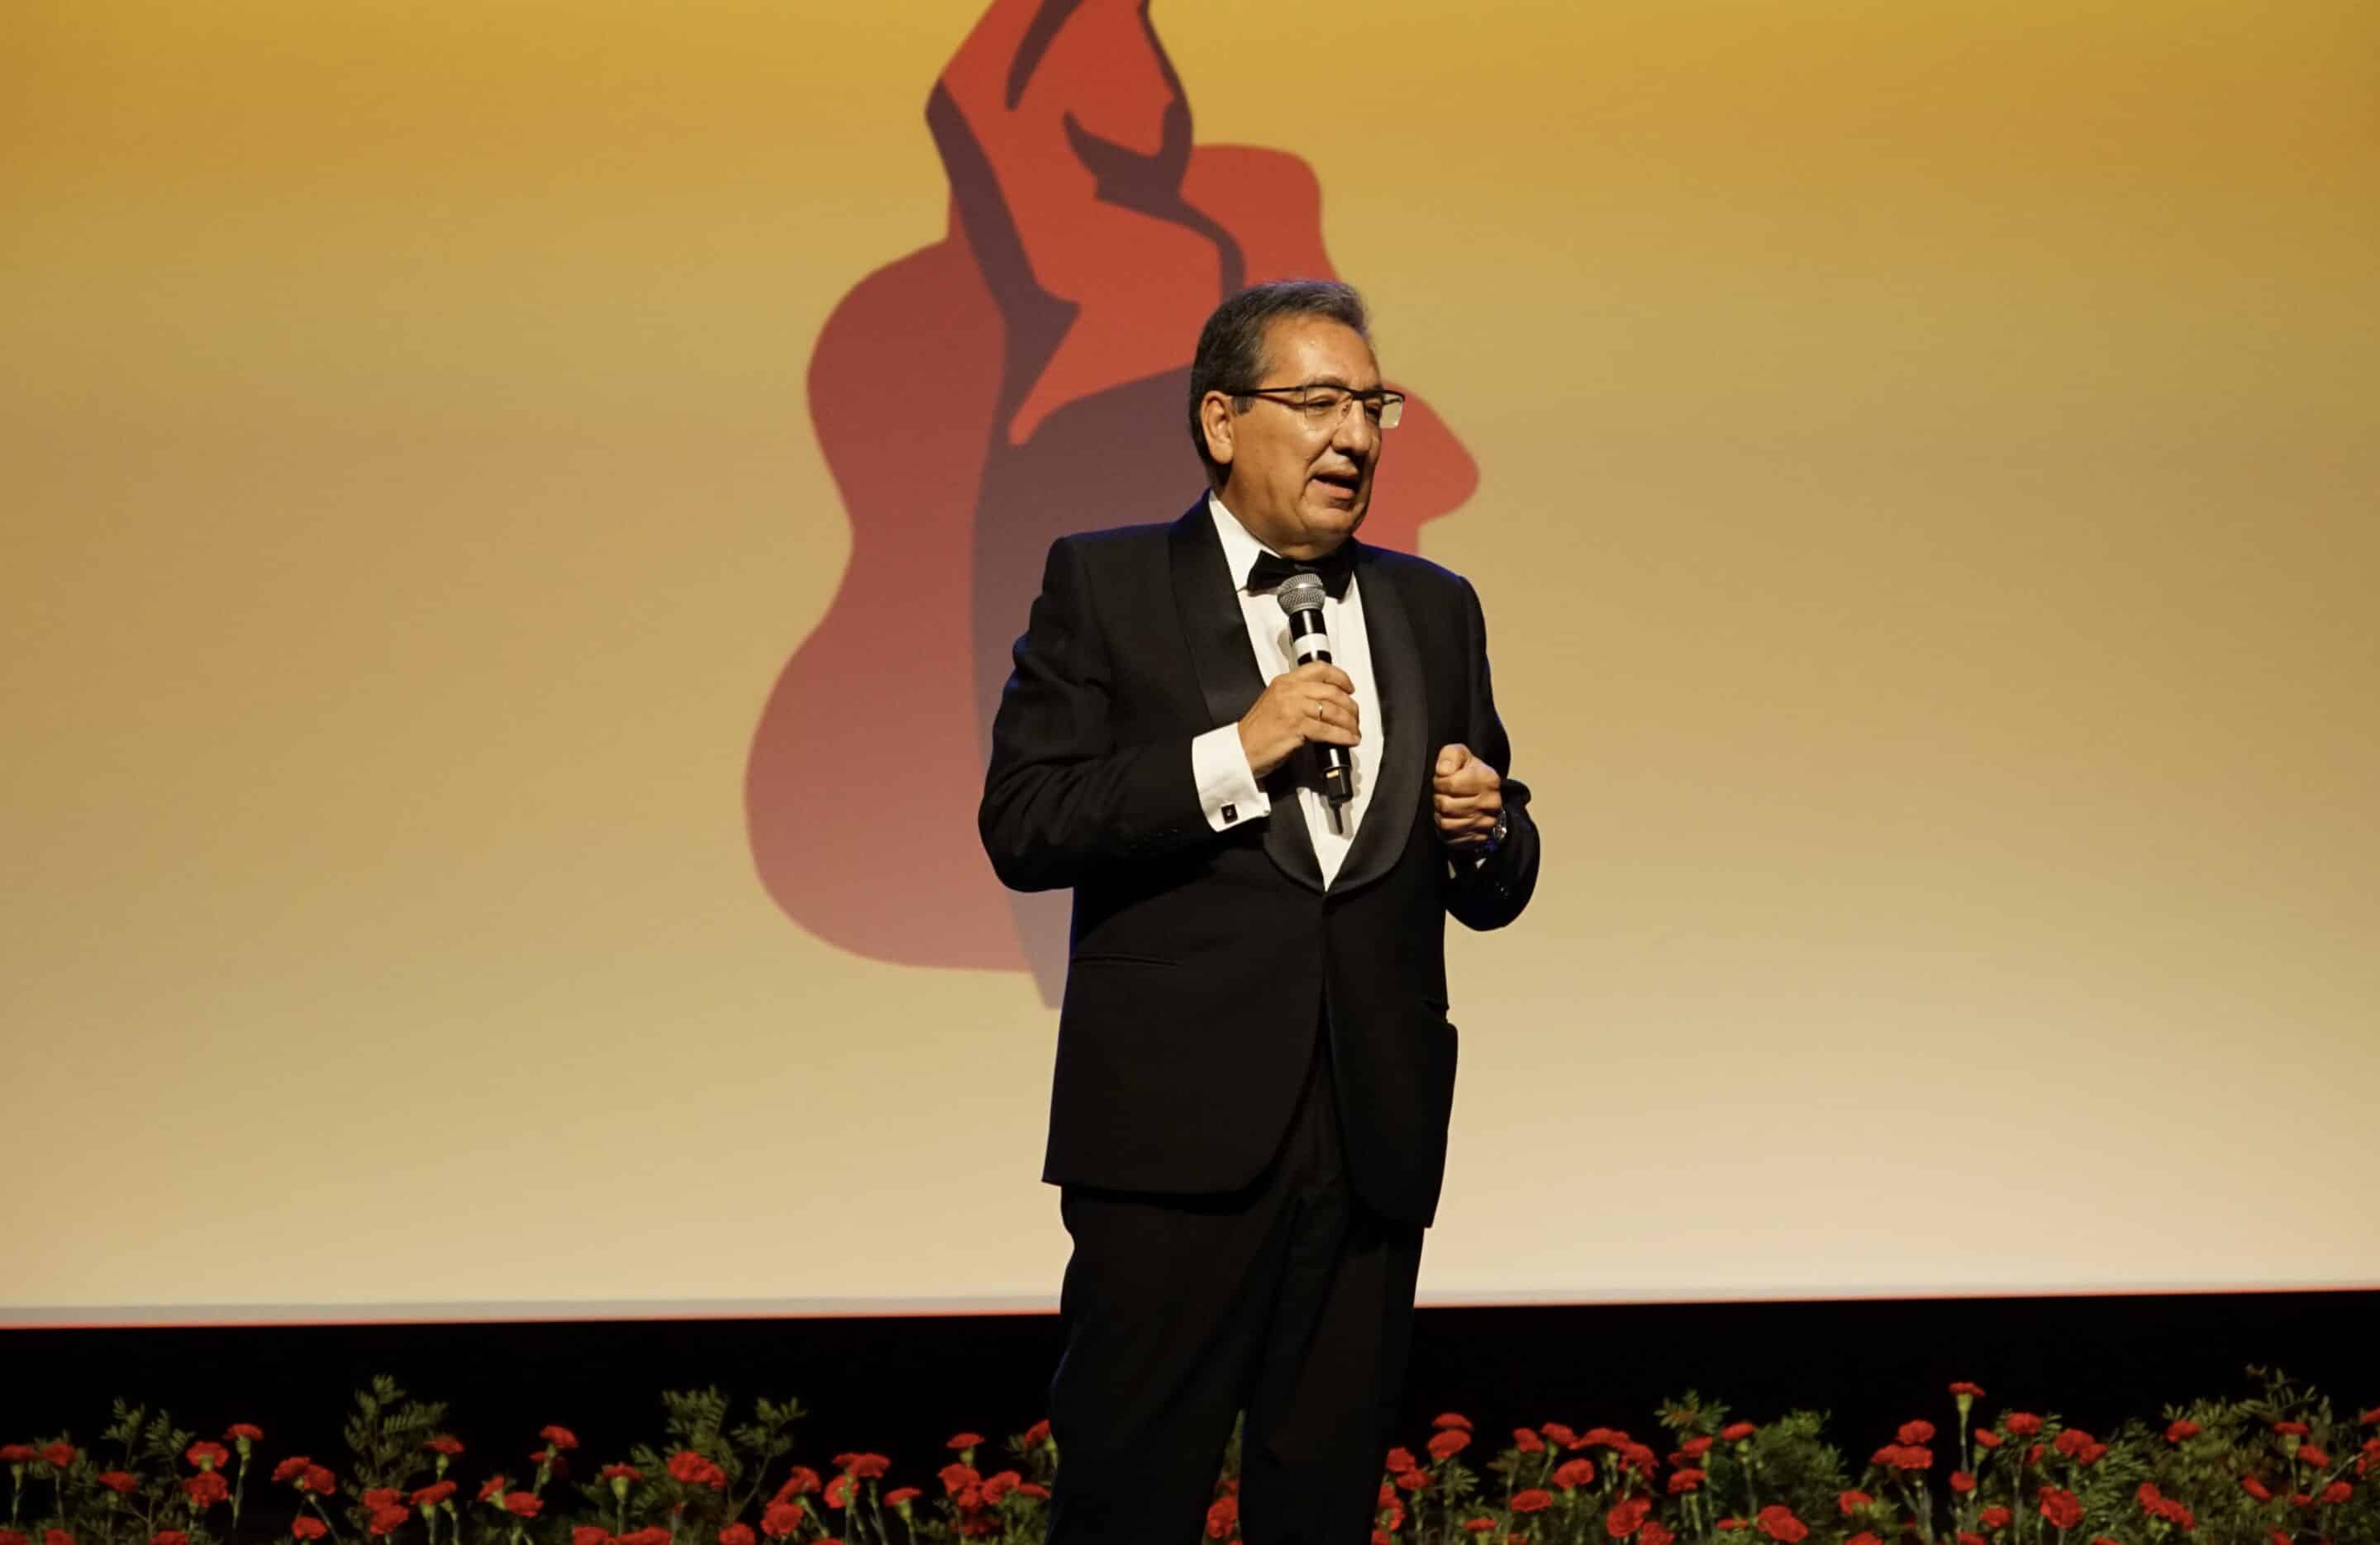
(902, 1385)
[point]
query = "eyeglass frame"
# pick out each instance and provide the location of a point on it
(1389, 399)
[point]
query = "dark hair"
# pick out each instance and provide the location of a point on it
(1232, 344)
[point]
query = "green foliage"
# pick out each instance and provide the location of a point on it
(1787, 1461)
(385, 1435)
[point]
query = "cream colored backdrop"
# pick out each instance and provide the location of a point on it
(1926, 515)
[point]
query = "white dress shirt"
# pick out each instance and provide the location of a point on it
(1227, 787)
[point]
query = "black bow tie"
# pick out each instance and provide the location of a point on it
(1273, 571)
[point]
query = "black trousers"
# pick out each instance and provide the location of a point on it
(1288, 1299)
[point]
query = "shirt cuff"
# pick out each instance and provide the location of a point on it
(1227, 790)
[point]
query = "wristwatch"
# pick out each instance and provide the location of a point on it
(1495, 840)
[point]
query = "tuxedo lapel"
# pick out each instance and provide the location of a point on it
(1397, 680)
(1217, 632)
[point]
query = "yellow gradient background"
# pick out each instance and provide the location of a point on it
(1928, 471)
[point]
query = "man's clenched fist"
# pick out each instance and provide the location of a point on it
(1312, 703)
(1467, 793)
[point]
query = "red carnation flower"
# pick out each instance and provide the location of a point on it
(1448, 1442)
(1777, 1521)
(169, 1537)
(864, 1466)
(2062, 1508)
(998, 1486)
(1730, 1524)
(560, 1437)
(122, 1483)
(2299, 1498)
(319, 1480)
(433, 1494)
(1637, 1458)
(838, 1492)
(305, 1527)
(2310, 1454)
(1961, 1483)
(900, 1494)
(381, 1496)
(2021, 1424)
(1903, 1457)
(1736, 1432)
(2255, 1489)
(1558, 1434)
(61, 1454)
(1626, 1518)
(965, 1440)
(1987, 1438)
(389, 1519)
(1415, 1479)
(693, 1469)
(1039, 1431)
(1685, 1481)
(493, 1488)
(1445, 1419)
(2072, 1442)
(956, 1478)
(1534, 1500)
(445, 1443)
(781, 1519)
(205, 1455)
(2336, 1493)
(1994, 1517)
(1220, 1514)
(1917, 1432)
(2090, 1453)
(1851, 1502)
(1572, 1473)
(1607, 1437)
(2183, 1429)
(56, 1537)
(206, 1488)
(522, 1504)
(1527, 1441)
(2032, 1455)
(291, 1468)
(1862, 1537)
(1653, 1533)
(1398, 1461)
(649, 1535)
(2291, 1429)
(19, 1454)
(1479, 1526)
(1971, 1391)
(621, 1472)
(590, 1534)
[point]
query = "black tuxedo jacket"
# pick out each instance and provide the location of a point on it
(1202, 963)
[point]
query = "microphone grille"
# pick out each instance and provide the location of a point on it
(1301, 591)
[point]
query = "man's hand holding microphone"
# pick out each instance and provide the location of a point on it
(1316, 703)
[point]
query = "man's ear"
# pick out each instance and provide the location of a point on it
(1215, 422)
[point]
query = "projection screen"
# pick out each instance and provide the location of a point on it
(515, 515)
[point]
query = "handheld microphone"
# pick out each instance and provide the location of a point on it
(1301, 595)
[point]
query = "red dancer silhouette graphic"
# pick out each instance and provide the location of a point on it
(1022, 378)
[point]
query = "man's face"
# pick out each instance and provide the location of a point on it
(1300, 483)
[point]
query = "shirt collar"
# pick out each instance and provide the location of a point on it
(1241, 549)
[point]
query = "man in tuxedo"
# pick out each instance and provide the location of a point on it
(1255, 1064)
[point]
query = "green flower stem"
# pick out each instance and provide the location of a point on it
(315, 1502)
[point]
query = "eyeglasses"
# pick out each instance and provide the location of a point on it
(1322, 403)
